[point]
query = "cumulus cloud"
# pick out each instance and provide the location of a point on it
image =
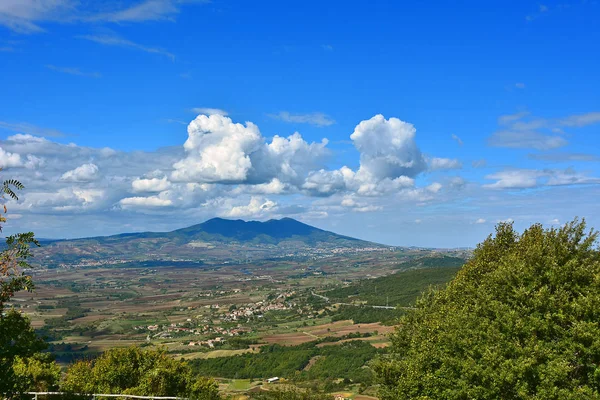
(480, 221)
(387, 148)
(350, 202)
(150, 185)
(218, 150)
(8, 159)
(83, 173)
(221, 151)
(257, 207)
(390, 160)
(224, 168)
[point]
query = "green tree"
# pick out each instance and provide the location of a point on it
(37, 373)
(520, 321)
(132, 370)
(23, 368)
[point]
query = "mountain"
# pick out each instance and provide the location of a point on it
(217, 239)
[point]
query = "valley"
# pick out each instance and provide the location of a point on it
(287, 316)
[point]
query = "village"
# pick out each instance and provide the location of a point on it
(216, 333)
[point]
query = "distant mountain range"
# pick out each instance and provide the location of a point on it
(215, 239)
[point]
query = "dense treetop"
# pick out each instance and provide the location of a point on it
(520, 321)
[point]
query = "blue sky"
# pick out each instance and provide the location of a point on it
(440, 119)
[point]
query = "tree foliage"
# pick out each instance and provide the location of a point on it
(23, 367)
(137, 371)
(520, 321)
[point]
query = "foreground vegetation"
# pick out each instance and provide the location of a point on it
(520, 321)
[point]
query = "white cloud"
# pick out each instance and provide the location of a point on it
(152, 201)
(351, 203)
(8, 159)
(150, 185)
(480, 221)
(387, 148)
(224, 168)
(273, 187)
(218, 150)
(315, 118)
(221, 151)
(209, 111)
(434, 187)
(257, 207)
(83, 173)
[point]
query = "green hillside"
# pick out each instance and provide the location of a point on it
(399, 289)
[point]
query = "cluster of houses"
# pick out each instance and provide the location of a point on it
(208, 343)
(246, 311)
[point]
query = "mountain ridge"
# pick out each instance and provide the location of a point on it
(214, 239)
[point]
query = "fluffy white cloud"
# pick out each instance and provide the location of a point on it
(289, 159)
(217, 150)
(224, 168)
(83, 173)
(150, 185)
(387, 148)
(221, 151)
(8, 159)
(152, 201)
(257, 207)
(480, 221)
(350, 202)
